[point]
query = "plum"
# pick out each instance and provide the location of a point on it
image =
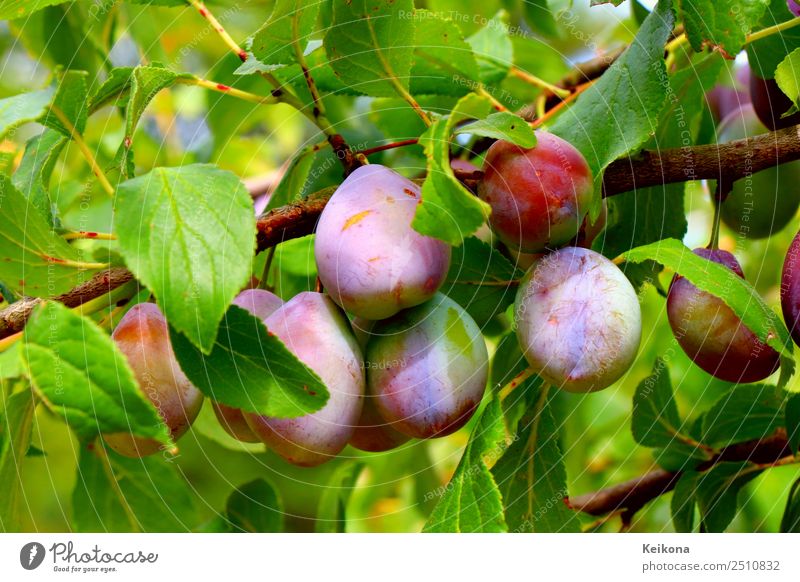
(427, 368)
(710, 332)
(373, 434)
(793, 6)
(578, 319)
(770, 103)
(370, 260)
(142, 336)
(790, 289)
(317, 332)
(763, 203)
(262, 304)
(725, 99)
(539, 196)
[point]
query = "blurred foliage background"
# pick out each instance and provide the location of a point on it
(395, 491)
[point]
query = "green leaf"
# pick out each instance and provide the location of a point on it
(720, 25)
(747, 412)
(787, 73)
(646, 215)
(16, 422)
(370, 45)
(531, 474)
(721, 282)
(12, 9)
(116, 494)
(71, 97)
(251, 369)
(656, 422)
(792, 418)
(23, 108)
(33, 259)
(682, 505)
(493, 49)
(448, 210)
(293, 182)
(443, 61)
(471, 502)
(502, 125)
(32, 177)
(717, 491)
(790, 522)
(331, 513)
(476, 262)
(255, 507)
(286, 32)
(766, 54)
(113, 88)
(619, 112)
(81, 376)
(11, 363)
(188, 235)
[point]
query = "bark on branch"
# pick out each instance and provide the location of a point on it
(634, 494)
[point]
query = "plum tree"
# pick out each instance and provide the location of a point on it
(317, 332)
(578, 320)
(427, 368)
(539, 196)
(369, 258)
(790, 289)
(142, 335)
(765, 202)
(262, 304)
(710, 332)
(770, 103)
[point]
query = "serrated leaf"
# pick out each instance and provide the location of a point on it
(764, 56)
(148, 495)
(790, 522)
(82, 377)
(251, 369)
(35, 168)
(70, 98)
(493, 49)
(293, 182)
(502, 125)
(16, 422)
(255, 507)
(448, 211)
(286, 32)
(33, 259)
(747, 412)
(619, 112)
(331, 513)
(116, 84)
(370, 45)
(683, 503)
(720, 25)
(655, 421)
(476, 262)
(471, 502)
(23, 108)
(12, 9)
(717, 491)
(531, 475)
(443, 61)
(188, 234)
(787, 75)
(721, 282)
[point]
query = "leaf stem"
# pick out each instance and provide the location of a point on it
(481, 90)
(515, 382)
(99, 448)
(87, 153)
(388, 146)
(758, 35)
(539, 121)
(264, 282)
(232, 91)
(538, 82)
(83, 234)
(215, 24)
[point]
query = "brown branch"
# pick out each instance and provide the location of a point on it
(14, 317)
(634, 494)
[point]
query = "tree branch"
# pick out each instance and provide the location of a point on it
(634, 494)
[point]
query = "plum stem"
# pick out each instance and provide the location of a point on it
(758, 35)
(539, 82)
(388, 146)
(264, 282)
